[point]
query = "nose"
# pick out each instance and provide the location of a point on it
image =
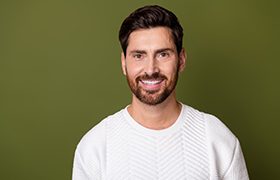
(152, 66)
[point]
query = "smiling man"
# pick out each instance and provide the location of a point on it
(157, 137)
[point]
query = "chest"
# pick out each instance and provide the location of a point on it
(132, 155)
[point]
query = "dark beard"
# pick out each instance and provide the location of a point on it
(150, 97)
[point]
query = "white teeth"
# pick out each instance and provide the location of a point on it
(150, 82)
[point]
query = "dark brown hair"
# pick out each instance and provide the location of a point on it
(150, 17)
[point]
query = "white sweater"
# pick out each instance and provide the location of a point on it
(197, 146)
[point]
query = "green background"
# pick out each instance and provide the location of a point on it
(60, 75)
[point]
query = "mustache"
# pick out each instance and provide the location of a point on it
(154, 76)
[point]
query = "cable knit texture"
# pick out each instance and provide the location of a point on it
(196, 147)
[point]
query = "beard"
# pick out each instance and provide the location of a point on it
(153, 97)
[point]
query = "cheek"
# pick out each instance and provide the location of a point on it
(170, 69)
(133, 70)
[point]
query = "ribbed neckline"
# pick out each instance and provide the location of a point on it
(152, 132)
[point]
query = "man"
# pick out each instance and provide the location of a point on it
(157, 137)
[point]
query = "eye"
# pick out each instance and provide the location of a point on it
(137, 56)
(163, 55)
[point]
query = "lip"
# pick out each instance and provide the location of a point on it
(151, 85)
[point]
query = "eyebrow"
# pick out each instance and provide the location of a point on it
(157, 51)
(164, 49)
(137, 52)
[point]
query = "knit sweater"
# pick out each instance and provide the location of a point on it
(197, 146)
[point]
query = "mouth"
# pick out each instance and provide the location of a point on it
(152, 84)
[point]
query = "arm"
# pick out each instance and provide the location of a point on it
(225, 154)
(89, 159)
(83, 170)
(237, 169)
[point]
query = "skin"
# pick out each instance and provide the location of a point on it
(152, 51)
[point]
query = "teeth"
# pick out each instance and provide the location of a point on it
(150, 82)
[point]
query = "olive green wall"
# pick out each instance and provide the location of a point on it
(60, 75)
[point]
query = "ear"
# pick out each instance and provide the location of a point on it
(182, 60)
(123, 63)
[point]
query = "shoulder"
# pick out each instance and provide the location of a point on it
(218, 132)
(90, 154)
(95, 139)
(215, 130)
(225, 153)
(223, 147)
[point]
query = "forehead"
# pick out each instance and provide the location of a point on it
(149, 39)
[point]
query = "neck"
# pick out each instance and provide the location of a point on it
(158, 116)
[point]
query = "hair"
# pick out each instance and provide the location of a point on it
(150, 17)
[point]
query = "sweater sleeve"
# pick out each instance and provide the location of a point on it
(89, 159)
(225, 154)
(82, 171)
(237, 168)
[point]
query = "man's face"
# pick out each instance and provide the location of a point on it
(152, 64)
